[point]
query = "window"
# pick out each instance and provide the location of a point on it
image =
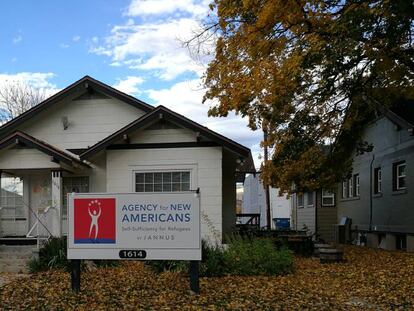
(350, 187)
(345, 189)
(12, 198)
(356, 185)
(328, 198)
(78, 184)
(310, 199)
(301, 201)
(399, 174)
(162, 181)
(377, 180)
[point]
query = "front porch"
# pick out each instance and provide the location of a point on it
(35, 179)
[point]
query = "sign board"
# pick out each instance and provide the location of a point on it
(151, 226)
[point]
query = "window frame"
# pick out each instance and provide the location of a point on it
(398, 177)
(377, 180)
(350, 187)
(331, 195)
(65, 197)
(356, 185)
(310, 194)
(162, 171)
(344, 189)
(303, 200)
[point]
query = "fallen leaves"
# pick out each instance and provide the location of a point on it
(369, 279)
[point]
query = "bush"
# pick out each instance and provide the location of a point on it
(51, 256)
(257, 257)
(243, 256)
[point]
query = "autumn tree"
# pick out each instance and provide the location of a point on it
(16, 97)
(311, 73)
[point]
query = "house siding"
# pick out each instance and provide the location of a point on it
(326, 219)
(89, 122)
(391, 211)
(163, 136)
(206, 173)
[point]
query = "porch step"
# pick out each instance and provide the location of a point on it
(17, 241)
(15, 258)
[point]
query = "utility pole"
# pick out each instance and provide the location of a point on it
(265, 185)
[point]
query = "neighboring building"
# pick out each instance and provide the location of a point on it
(254, 201)
(378, 197)
(90, 137)
(315, 212)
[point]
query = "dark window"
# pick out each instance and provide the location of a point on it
(162, 181)
(377, 180)
(310, 199)
(301, 201)
(399, 175)
(78, 184)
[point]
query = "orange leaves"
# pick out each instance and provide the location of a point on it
(369, 280)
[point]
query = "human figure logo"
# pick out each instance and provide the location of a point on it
(94, 221)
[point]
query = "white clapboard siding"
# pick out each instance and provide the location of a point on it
(25, 159)
(164, 136)
(204, 163)
(89, 122)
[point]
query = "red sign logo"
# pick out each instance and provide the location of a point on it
(94, 221)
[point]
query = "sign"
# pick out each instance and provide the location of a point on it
(153, 226)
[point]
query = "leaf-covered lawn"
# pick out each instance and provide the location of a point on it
(369, 279)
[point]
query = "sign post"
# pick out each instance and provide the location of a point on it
(150, 226)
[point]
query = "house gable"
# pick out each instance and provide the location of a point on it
(79, 116)
(188, 130)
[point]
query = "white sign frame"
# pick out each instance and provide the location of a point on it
(186, 244)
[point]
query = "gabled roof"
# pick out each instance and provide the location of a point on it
(162, 112)
(86, 83)
(20, 138)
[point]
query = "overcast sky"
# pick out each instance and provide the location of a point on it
(134, 45)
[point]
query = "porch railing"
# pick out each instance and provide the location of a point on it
(40, 226)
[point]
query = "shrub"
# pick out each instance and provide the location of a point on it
(243, 256)
(53, 255)
(257, 257)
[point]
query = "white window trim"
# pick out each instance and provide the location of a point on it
(357, 185)
(378, 180)
(344, 189)
(330, 195)
(350, 187)
(192, 168)
(400, 176)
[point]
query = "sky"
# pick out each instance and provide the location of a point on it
(132, 45)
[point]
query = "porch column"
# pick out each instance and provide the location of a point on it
(57, 201)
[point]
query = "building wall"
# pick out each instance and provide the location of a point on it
(205, 165)
(326, 219)
(392, 211)
(254, 201)
(89, 122)
(228, 194)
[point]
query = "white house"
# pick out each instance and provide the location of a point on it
(254, 201)
(91, 137)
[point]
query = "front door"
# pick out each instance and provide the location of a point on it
(13, 212)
